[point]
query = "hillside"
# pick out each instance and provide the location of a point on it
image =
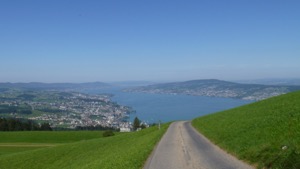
(124, 150)
(218, 88)
(265, 133)
(16, 142)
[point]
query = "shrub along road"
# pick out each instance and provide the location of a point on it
(183, 147)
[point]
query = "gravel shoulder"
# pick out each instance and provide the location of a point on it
(183, 147)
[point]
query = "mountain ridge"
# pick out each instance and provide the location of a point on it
(53, 86)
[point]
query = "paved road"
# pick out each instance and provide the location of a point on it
(182, 147)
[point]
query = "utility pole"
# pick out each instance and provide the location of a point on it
(159, 124)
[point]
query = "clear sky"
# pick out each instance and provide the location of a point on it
(153, 40)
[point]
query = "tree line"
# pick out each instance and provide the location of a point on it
(97, 127)
(13, 124)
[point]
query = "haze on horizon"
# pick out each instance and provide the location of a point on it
(87, 41)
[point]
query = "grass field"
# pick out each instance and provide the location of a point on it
(81, 149)
(13, 142)
(13, 148)
(265, 133)
(48, 136)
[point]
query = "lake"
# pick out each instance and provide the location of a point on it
(152, 108)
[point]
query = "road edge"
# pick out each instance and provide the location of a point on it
(150, 157)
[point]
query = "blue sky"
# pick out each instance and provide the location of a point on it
(153, 40)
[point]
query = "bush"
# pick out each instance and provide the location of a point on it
(108, 133)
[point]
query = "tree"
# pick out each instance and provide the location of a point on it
(136, 123)
(108, 133)
(13, 124)
(46, 127)
(143, 126)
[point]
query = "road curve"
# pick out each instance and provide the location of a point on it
(182, 147)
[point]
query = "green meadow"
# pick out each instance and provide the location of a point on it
(48, 136)
(79, 149)
(13, 142)
(266, 134)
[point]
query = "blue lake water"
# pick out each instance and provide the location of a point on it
(165, 107)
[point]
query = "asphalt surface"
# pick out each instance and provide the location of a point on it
(182, 147)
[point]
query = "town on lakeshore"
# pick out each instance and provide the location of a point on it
(65, 109)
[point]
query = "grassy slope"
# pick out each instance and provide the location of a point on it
(258, 132)
(47, 136)
(128, 150)
(5, 150)
(13, 142)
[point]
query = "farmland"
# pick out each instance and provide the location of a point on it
(14, 142)
(78, 149)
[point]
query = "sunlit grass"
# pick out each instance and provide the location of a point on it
(128, 150)
(265, 133)
(48, 136)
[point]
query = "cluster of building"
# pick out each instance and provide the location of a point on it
(76, 109)
(213, 91)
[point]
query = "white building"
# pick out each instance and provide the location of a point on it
(125, 129)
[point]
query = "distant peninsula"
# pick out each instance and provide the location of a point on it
(217, 88)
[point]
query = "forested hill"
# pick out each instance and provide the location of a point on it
(218, 88)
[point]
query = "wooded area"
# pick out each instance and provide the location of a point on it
(13, 124)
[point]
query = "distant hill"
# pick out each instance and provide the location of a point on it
(217, 88)
(264, 133)
(272, 81)
(131, 83)
(52, 86)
